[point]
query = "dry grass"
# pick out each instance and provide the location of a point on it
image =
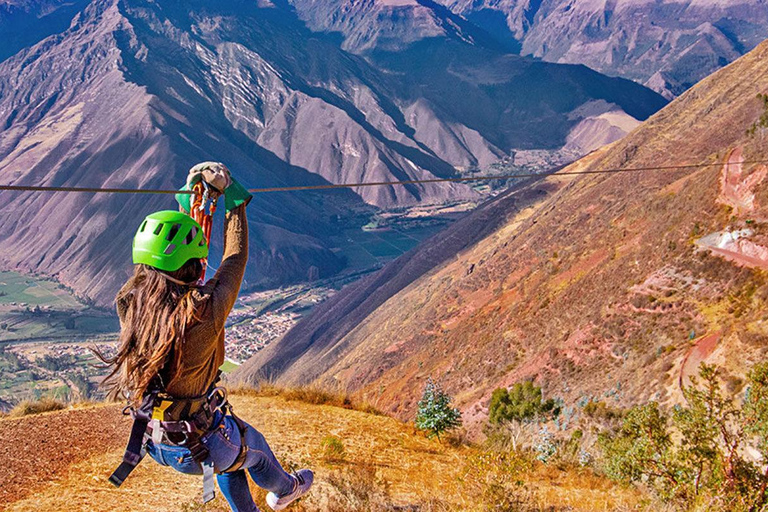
(387, 466)
(28, 407)
(315, 395)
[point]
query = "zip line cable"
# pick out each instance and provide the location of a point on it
(332, 186)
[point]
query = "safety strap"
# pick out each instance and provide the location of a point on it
(241, 426)
(209, 491)
(134, 452)
(204, 195)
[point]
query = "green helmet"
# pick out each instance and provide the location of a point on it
(166, 240)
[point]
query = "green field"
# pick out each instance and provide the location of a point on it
(38, 308)
(16, 289)
(368, 248)
(228, 367)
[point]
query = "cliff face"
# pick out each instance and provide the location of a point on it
(611, 286)
(129, 93)
(668, 45)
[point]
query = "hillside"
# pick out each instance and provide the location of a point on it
(610, 286)
(386, 463)
(130, 93)
(668, 45)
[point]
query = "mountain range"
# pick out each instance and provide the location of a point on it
(131, 93)
(606, 286)
(668, 45)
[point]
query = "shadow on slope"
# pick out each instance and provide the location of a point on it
(315, 339)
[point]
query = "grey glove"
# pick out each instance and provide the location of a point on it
(215, 174)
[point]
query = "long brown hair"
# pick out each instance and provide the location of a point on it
(158, 313)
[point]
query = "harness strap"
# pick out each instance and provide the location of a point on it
(241, 456)
(134, 452)
(209, 491)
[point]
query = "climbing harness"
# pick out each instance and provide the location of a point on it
(163, 419)
(204, 197)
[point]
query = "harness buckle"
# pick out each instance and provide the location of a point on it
(221, 392)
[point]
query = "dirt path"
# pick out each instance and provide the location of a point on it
(697, 355)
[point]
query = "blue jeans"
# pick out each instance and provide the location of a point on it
(223, 445)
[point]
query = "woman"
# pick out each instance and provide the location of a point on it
(172, 344)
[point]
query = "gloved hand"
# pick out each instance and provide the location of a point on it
(235, 195)
(217, 176)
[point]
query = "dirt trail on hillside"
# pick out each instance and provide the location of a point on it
(37, 449)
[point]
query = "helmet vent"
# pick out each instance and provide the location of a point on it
(143, 225)
(169, 250)
(172, 232)
(190, 236)
(158, 229)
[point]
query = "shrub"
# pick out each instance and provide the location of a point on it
(521, 403)
(599, 410)
(333, 449)
(358, 490)
(435, 414)
(708, 463)
(546, 445)
(493, 480)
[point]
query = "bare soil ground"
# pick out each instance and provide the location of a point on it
(34, 450)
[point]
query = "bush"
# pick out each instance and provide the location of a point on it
(600, 411)
(358, 490)
(546, 445)
(435, 414)
(521, 403)
(708, 463)
(493, 480)
(333, 449)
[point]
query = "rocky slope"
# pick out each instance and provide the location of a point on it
(131, 93)
(668, 45)
(612, 286)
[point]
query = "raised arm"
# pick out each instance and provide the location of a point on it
(228, 278)
(225, 284)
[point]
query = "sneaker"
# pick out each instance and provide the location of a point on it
(304, 478)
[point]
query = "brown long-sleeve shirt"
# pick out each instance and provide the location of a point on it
(203, 348)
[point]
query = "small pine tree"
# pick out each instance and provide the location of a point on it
(435, 414)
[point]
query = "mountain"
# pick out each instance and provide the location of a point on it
(130, 93)
(463, 74)
(668, 45)
(605, 286)
(26, 22)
